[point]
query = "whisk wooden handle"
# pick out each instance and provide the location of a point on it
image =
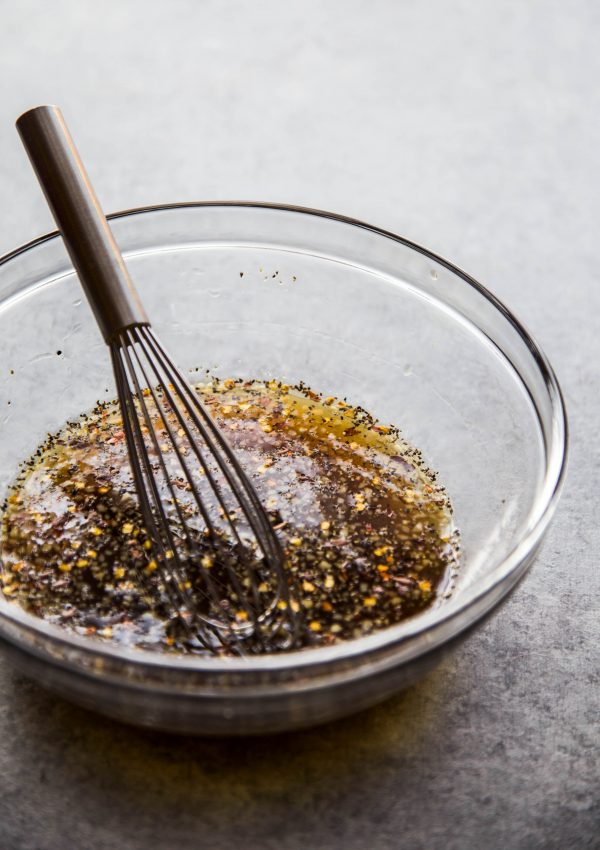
(83, 225)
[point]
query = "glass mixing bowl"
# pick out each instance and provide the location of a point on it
(262, 291)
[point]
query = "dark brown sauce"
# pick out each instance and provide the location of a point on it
(367, 531)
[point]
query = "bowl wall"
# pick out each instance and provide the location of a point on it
(261, 292)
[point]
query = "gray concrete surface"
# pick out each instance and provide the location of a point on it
(471, 127)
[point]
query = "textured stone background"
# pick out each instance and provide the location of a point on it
(473, 128)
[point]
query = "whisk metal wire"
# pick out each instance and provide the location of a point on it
(145, 373)
(221, 529)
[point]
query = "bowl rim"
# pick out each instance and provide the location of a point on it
(401, 636)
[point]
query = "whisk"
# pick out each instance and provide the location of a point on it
(204, 519)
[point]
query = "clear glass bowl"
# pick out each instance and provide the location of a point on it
(261, 291)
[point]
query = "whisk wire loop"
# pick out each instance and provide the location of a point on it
(130, 340)
(149, 498)
(247, 599)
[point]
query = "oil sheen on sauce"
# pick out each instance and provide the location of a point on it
(367, 532)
